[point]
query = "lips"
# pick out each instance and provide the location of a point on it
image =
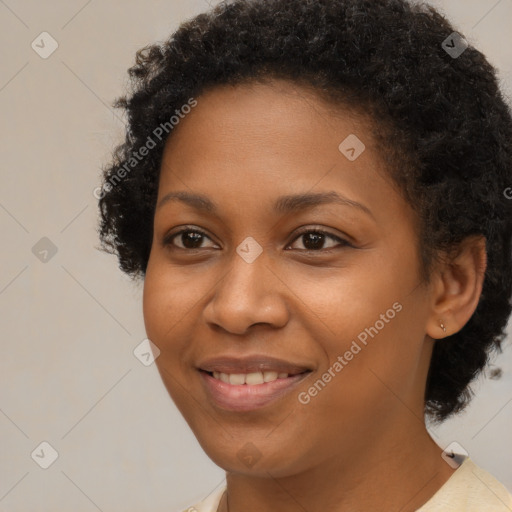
(248, 383)
(251, 364)
(245, 397)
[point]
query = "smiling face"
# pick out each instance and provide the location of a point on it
(237, 280)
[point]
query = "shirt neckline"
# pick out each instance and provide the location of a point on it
(211, 503)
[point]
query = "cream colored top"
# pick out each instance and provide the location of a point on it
(469, 489)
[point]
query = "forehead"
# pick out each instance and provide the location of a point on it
(257, 127)
(259, 140)
(272, 105)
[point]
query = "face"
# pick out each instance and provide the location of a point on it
(283, 286)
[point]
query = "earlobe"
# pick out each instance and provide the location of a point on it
(457, 288)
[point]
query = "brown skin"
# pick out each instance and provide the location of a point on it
(361, 443)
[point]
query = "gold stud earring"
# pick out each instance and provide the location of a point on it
(442, 326)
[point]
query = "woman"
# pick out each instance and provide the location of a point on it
(313, 194)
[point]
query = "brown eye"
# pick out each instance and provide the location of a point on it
(187, 239)
(314, 240)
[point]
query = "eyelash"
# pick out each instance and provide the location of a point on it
(167, 241)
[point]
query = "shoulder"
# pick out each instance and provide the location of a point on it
(470, 489)
(210, 503)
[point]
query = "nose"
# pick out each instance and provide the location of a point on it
(248, 294)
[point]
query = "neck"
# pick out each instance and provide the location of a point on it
(400, 474)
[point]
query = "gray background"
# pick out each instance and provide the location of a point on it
(70, 324)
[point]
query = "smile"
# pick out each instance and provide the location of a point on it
(251, 379)
(248, 392)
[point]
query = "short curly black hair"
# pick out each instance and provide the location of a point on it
(444, 127)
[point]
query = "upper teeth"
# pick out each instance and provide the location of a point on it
(249, 378)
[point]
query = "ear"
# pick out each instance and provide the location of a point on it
(456, 287)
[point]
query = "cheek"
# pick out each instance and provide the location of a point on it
(169, 296)
(166, 302)
(156, 302)
(374, 338)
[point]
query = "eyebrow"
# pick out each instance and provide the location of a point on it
(283, 204)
